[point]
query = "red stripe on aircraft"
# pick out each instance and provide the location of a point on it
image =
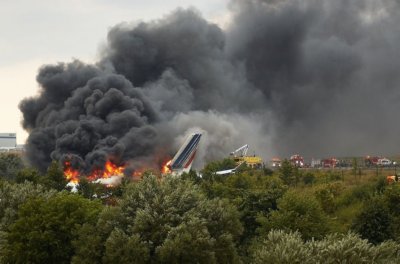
(190, 160)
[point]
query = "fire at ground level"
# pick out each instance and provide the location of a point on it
(111, 174)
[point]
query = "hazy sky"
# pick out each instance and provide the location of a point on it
(34, 33)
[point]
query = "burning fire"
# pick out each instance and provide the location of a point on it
(108, 174)
(166, 169)
(110, 169)
(70, 173)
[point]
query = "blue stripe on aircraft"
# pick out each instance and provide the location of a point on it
(183, 156)
(186, 152)
(191, 150)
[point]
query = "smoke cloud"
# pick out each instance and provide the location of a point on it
(301, 76)
(328, 71)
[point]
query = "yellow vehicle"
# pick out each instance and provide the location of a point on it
(254, 162)
(239, 156)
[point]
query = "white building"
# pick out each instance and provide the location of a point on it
(316, 163)
(8, 140)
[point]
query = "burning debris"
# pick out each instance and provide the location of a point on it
(166, 168)
(110, 169)
(71, 174)
(110, 175)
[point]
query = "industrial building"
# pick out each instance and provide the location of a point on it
(8, 140)
(8, 143)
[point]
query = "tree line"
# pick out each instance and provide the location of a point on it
(252, 216)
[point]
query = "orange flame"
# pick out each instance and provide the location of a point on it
(166, 168)
(70, 173)
(110, 169)
(137, 174)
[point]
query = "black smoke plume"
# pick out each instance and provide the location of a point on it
(314, 77)
(329, 72)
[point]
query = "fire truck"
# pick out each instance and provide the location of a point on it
(297, 160)
(330, 163)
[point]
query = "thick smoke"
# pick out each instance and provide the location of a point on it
(314, 77)
(328, 71)
(87, 116)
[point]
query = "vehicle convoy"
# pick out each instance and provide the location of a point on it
(377, 161)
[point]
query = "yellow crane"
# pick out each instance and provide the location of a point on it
(239, 156)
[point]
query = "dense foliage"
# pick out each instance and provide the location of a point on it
(282, 247)
(166, 221)
(253, 216)
(300, 212)
(45, 228)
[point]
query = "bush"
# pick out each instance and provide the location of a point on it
(355, 194)
(327, 194)
(374, 222)
(281, 247)
(289, 174)
(350, 248)
(308, 178)
(297, 212)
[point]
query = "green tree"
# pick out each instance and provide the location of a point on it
(157, 215)
(391, 197)
(54, 177)
(10, 164)
(379, 218)
(12, 196)
(375, 221)
(281, 247)
(28, 174)
(187, 242)
(350, 248)
(45, 228)
(121, 248)
(309, 178)
(297, 212)
(175, 202)
(89, 245)
(192, 176)
(289, 174)
(251, 194)
(326, 195)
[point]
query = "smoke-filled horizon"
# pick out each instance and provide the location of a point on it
(318, 78)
